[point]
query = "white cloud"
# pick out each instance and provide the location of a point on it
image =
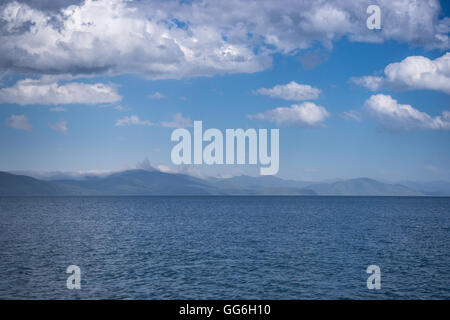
(296, 24)
(177, 39)
(166, 168)
(291, 91)
(183, 169)
(116, 37)
(412, 73)
(122, 108)
(132, 120)
(306, 114)
(157, 96)
(351, 115)
(60, 126)
(370, 82)
(30, 91)
(178, 122)
(19, 122)
(395, 117)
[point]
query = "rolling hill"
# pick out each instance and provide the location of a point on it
(363, 187)
(19, 185)
(143, 182)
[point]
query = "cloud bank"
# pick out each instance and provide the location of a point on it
(178, 39)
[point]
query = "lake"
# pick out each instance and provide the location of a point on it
(225, 247)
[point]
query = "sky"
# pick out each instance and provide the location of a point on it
(99, 86)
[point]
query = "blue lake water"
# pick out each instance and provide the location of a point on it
(225, 247)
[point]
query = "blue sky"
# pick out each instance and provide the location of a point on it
(59, 134)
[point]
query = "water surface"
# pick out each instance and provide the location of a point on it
(225, 247)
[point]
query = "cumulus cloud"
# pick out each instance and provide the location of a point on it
(177, 39)
(19, 122)
(132, 120)
(178, 122)
(291, 91)
(412, 73)
(31, 91)
(50, 5)
(60, 126)
(306, 114)
(116, 37)
(393, 116)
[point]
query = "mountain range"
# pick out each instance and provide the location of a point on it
(145, 182)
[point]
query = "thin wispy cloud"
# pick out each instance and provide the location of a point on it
(121, 108)
(60, 126)
(131, 121)
(178, 122)
(19, 122)
(157, 96)
(351, 115)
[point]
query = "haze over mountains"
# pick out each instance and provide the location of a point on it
(143, 182)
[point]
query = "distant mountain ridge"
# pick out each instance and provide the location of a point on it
(363, 187)
(146, 183)
(143, 182)
(20, 185)
(432, 188)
